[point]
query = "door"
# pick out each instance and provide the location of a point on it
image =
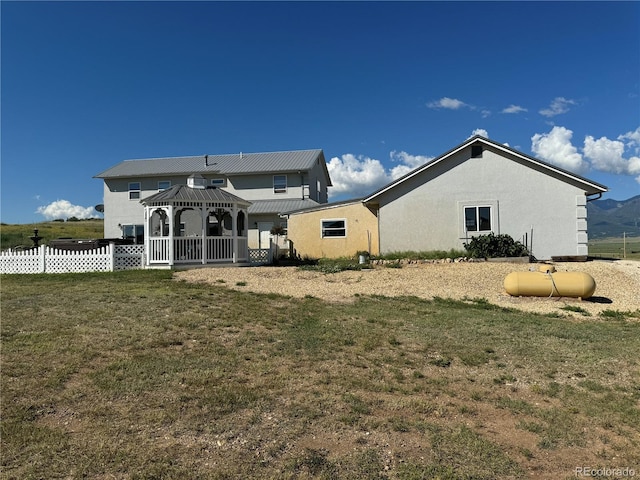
(264, 234)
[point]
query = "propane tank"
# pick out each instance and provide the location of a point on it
(556, 284)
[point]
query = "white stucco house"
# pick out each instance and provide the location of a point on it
(479, 187)
(258, 185)
(476, 188)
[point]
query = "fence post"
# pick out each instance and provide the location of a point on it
(112, 256)
(43, 264)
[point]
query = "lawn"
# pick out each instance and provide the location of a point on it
(134, 375)
(12, 236)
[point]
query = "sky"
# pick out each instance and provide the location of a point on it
(380, 87)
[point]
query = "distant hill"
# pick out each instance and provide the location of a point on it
(611, 218)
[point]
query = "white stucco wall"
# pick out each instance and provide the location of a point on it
(426, 212)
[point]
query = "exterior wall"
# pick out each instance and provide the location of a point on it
(305, 230)
(426, 212)
(120, 210)
(260, 187)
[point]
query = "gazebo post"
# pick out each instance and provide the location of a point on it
(234, 228)
(203, 218)
(171, 220)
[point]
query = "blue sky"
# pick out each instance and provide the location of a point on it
(381, 87)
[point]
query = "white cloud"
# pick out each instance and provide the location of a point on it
(407, 163)
(558, 105)
(479, 131)
(448, 103)
(555, 147)
(633, 139)
(355, 175)
(514, 109)
(65, 209)
(602, 154)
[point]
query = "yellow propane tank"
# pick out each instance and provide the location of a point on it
(558, 284)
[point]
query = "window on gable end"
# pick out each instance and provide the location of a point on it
(476, 151)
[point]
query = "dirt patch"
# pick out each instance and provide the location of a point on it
(617, 283)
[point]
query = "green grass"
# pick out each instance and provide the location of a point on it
(615, 248)
(135, 375)
(18, 235)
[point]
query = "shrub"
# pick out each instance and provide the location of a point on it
(491, 245)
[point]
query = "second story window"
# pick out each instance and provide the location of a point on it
(279, 184)
(134, 190)
(164, 184)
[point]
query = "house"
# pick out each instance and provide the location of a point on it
(270, 182)
(333, 230)
(478, 187)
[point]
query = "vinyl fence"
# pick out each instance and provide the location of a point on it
(109, 258)
(45, 259)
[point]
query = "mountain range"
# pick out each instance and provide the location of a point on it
(613, 218)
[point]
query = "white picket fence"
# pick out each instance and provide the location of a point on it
(109, 258)
(45, 259)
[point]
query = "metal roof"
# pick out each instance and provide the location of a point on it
(228, 164)
(279, 206)
(590, 186)
(323, 206)
(186, 193)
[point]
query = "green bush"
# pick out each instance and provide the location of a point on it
(491, 246)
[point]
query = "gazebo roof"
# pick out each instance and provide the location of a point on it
(186, 193)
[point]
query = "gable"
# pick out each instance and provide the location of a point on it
(474, 149)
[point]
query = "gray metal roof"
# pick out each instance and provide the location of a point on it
(229, 164)
(323, 206)
(279, 206)
(186, 193)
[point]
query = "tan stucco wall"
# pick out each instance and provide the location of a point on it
(305, 230)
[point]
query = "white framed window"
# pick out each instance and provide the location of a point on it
(134, 233)
(219, 182)
(334, 228)
(478, 218)
(279, 184)
(134, 190)
(164, 184)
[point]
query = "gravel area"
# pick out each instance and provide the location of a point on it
(617, 283)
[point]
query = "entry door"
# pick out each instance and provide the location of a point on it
(264, 234)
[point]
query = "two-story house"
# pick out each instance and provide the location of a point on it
(272, 182)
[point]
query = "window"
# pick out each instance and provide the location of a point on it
(133, 232)
(218, 182)
(476, 151)
(334, 228)
(134, 190)
(477, 219)
(164, 184)
(279, 184)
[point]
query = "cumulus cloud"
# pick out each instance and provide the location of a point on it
(632, 139)
(406, 162)
(65, 209)
(514, 109)
(357, 175)
(558, 106)
(448, 103)
(602, 154)
(556, 148)
(479, 131)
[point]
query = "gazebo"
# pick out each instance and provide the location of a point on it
(195, 224)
